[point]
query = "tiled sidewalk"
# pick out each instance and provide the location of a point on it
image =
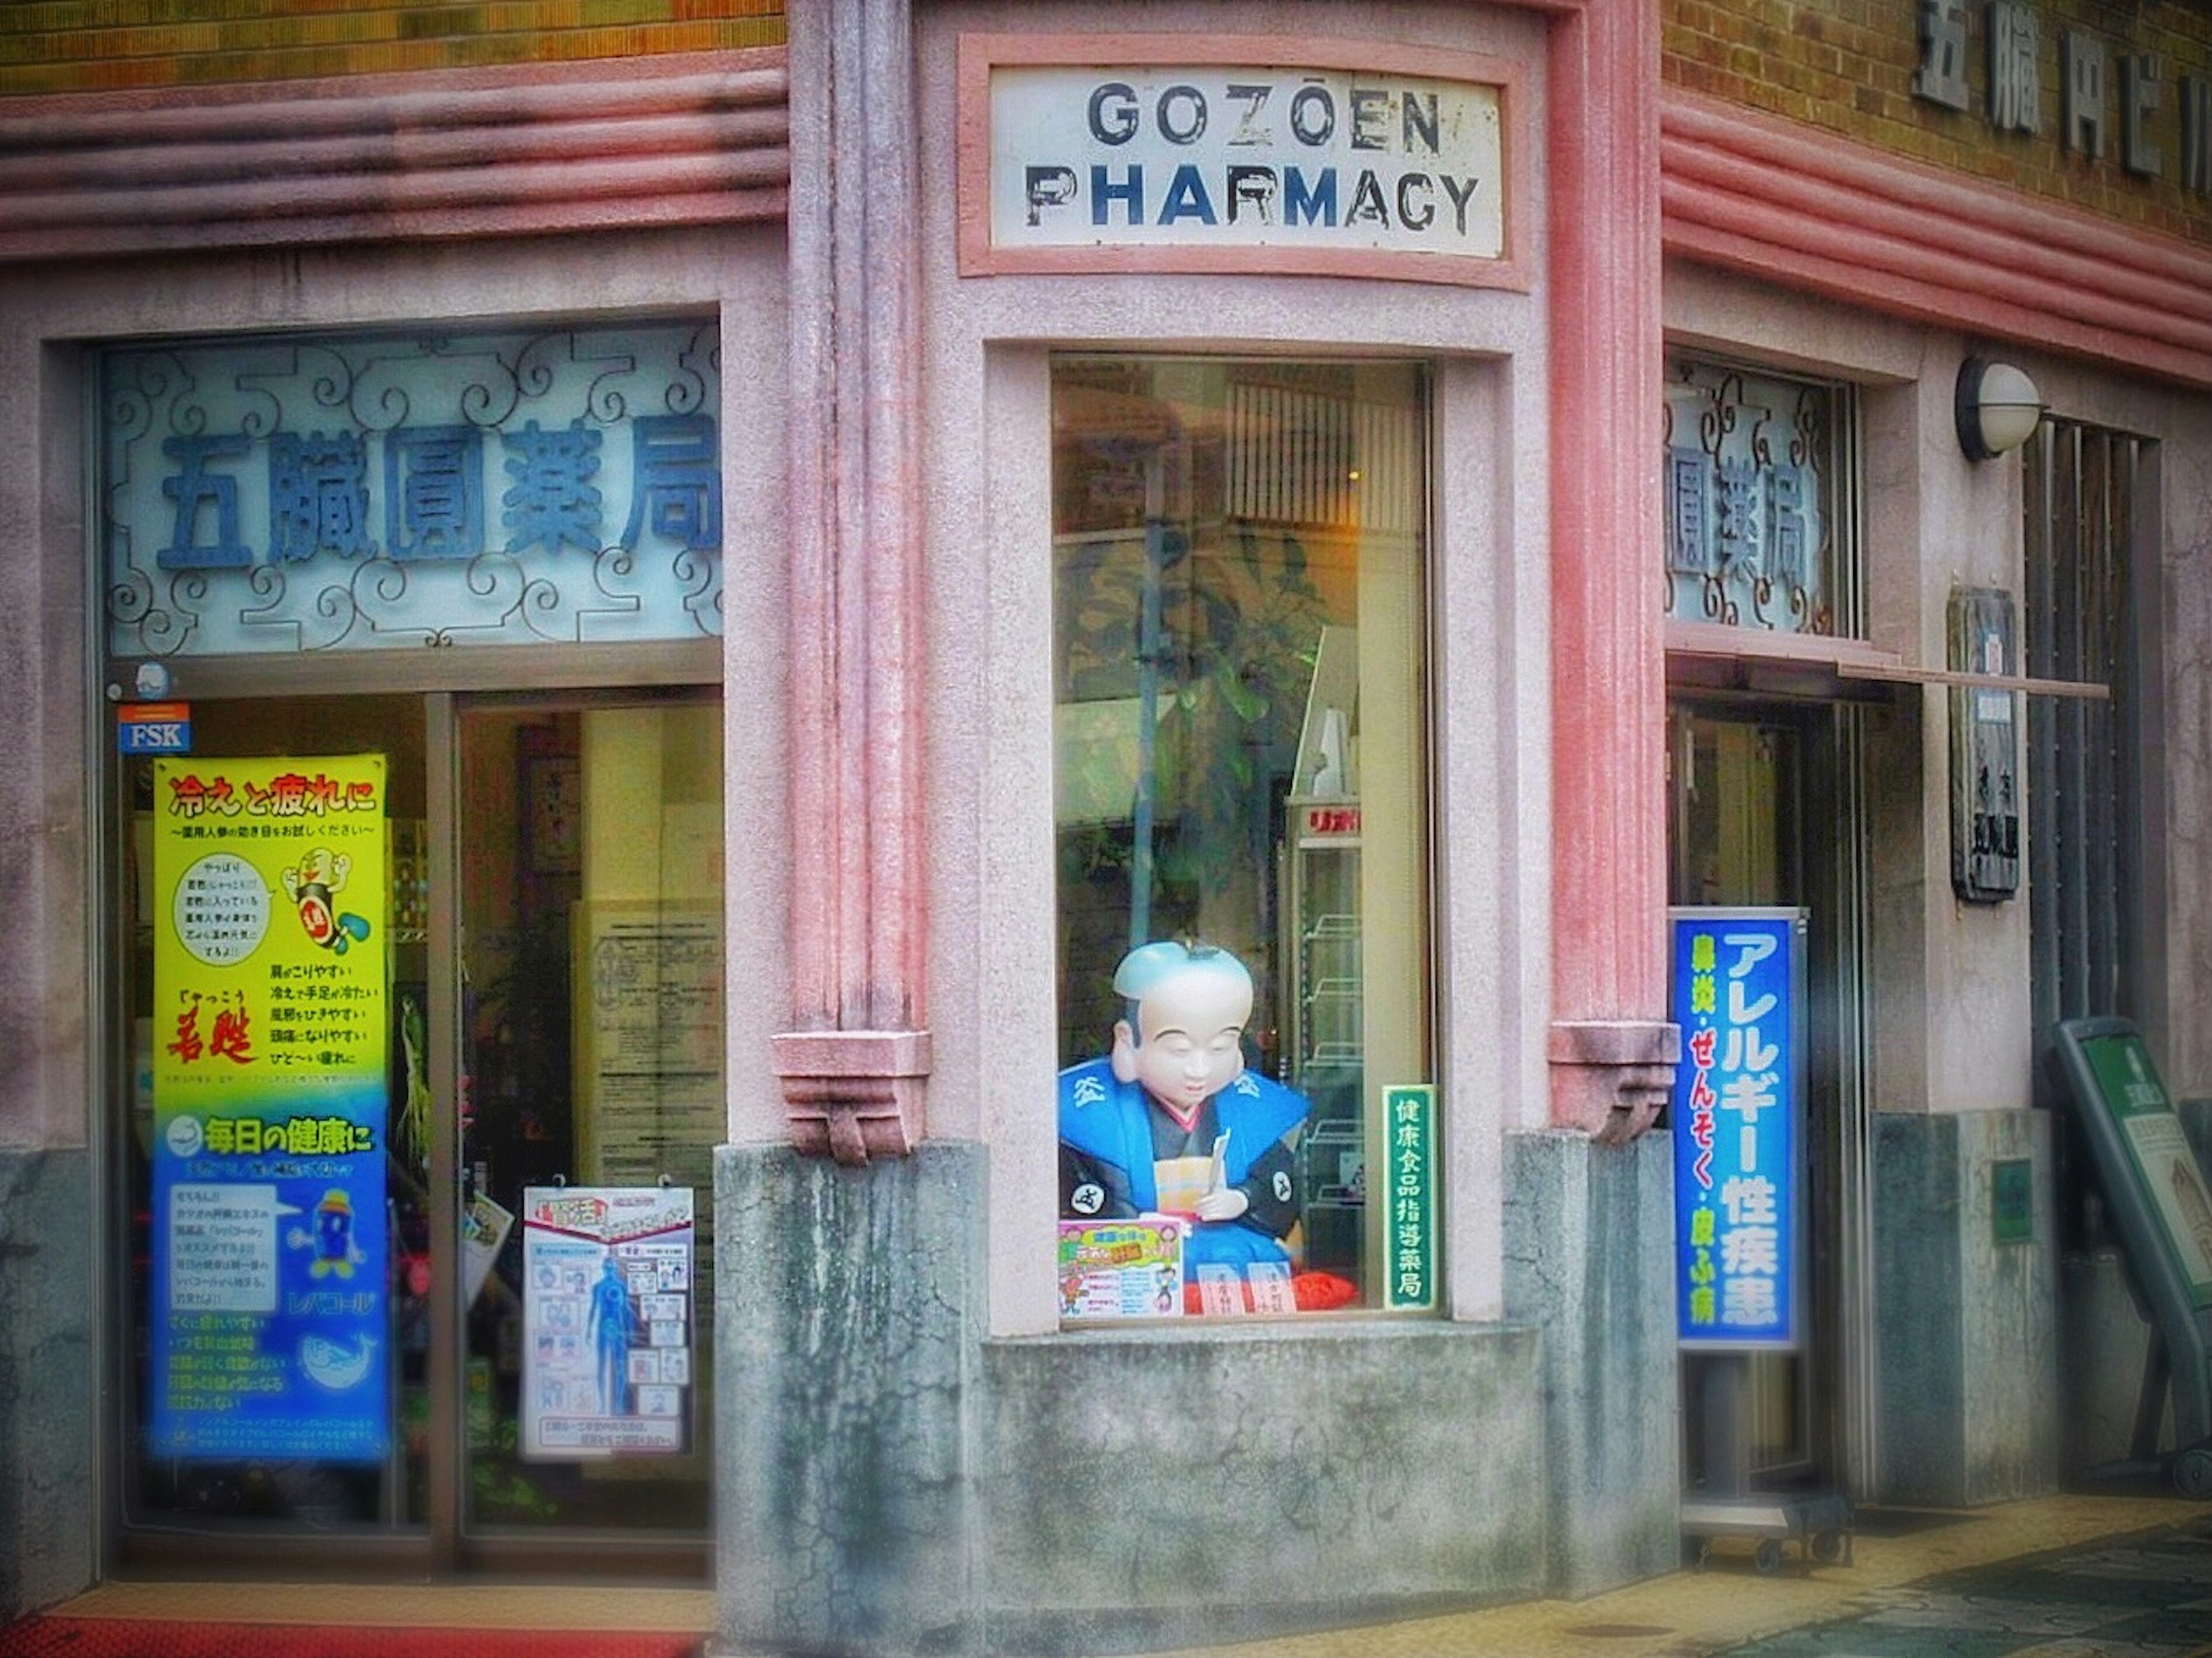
(2069, 1576)
(2149, 1594)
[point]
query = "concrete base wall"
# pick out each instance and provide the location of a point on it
(48, 1475)
(1193, 1486)
(1966, 1383)
(847, 1332)
(892, 1481)
(1589, 1260)
(2107, 1340)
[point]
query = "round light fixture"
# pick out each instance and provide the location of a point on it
(1998, 406)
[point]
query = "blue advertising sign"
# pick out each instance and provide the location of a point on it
(1737, 1111)
(269, 1332)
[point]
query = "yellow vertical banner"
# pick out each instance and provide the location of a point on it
(271, 1036)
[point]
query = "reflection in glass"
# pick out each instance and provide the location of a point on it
(1239, 681)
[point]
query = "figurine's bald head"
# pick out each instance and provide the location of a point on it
(1184, 1038)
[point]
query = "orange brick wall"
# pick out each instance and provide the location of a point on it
(84, 45)
(1847, 66)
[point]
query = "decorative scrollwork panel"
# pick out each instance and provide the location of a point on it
(1754, 477)
(286, 496)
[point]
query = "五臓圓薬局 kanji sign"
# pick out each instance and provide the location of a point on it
(1262, 155)
(1738, 1114)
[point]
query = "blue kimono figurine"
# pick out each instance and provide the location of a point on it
(1170, 1122)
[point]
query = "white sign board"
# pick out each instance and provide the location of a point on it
(1367, 170)
(607, 1289)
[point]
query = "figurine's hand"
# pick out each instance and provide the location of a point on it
(1225, 1203)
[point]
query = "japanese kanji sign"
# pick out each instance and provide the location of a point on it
(1409, 1234)
(348, 493)
(269, 1091)
(1737, 1111)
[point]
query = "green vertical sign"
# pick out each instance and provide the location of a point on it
(1409, 1233)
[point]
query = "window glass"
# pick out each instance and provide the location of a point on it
(1759, 517)
(1246, 1122)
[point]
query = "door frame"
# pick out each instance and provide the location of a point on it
(1839, 1382)
(448, 680)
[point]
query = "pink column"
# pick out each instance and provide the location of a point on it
(1612, 1051)
(854, 1065)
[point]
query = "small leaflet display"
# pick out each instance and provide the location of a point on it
(1738, 1111)
(1130, 1268)
(268, 1326)
(607, 1358)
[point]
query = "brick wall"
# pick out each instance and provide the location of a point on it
(1847, 66)
(84, 45)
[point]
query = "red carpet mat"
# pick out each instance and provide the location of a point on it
(133, 1637)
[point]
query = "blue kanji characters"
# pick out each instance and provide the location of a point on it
(676, 485)
(318, 496)
(434, 491)
(553, 502)
(197, 488)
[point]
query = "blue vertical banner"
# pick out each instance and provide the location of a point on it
(1738, 1116)
(268, 1332)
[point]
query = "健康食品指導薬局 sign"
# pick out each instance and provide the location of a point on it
(1242, 160)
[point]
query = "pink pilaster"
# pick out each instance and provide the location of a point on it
(1612, 1051)
(854, 1064)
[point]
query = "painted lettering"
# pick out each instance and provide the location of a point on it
(1254, 95)
(1420, 123)
(1252, 188)
(1462, 192)
(1367, 204)
(1180, 114)
(1313, 205)
(1313, 115)
(1048, 186)
(1370, 118)
(1114, 112)
(1186, 199)
(1130, 192)
(1408, 215)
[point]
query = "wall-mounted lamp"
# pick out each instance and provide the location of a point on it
(1998, 408)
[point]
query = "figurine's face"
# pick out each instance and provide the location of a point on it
(1191, 1025)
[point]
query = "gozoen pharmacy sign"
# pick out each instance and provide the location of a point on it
(1277, 156)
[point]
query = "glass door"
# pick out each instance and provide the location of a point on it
(589, 1005)
(1762, 813)
(274, 1172)
(385, 968)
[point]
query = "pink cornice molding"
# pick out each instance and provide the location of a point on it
(691, 138)
(1810, 210)
(1611, 1049)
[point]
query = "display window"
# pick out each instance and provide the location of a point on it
(1246, 1116)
